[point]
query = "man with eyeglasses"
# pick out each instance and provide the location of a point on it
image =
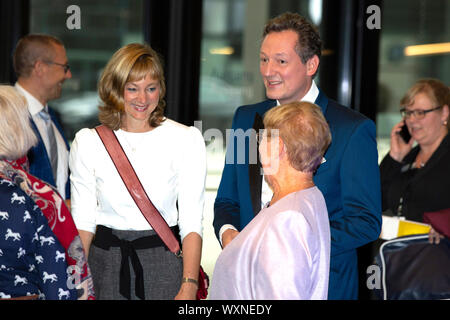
(40, 63)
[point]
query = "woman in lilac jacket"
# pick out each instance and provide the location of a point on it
(284, 252)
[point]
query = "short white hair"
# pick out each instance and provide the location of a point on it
(16, 134)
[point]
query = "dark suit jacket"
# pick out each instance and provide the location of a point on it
(349, 181)
(40, 165)
(423, 190)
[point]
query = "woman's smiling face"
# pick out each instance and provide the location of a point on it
(140, 100)
(430, 128)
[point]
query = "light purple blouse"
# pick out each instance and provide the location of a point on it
(283, 253)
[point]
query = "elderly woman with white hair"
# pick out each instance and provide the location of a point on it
(284, 252)
(41, 255)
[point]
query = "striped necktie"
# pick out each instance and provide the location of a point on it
(53, 147)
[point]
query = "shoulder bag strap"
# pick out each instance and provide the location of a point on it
(136, 189)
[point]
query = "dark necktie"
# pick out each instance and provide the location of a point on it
(254, 169)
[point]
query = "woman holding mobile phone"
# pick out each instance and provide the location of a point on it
(416, 179)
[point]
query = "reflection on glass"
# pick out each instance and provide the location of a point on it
(414, 45)
(229, 78)
(104, 27)
(229, 75)
(232, 31)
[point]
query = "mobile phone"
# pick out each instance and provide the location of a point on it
(404, 133)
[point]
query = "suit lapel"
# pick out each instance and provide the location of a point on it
(39, 147)
(322, 102)
(38, 158)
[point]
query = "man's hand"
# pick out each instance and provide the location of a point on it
(228, 236)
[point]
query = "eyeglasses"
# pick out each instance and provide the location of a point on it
(419, 114)
(65, 66)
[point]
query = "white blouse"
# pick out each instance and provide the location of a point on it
(170, 162)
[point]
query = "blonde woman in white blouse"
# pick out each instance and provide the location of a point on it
(170, 161)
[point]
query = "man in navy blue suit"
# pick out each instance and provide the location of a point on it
(348, 176)
(40, 63)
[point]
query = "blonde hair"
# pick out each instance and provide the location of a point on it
(16, 134)
(435, 90)
(304, 131)
(132, 62)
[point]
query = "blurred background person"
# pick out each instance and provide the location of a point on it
(284, 252)
(32, 259)
(170, 161)
(41, 66)
(416, 179)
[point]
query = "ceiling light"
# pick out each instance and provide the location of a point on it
(427, 49)
(222, 51)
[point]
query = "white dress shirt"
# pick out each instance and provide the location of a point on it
(170, 162)
(34, 107)
(266, 192)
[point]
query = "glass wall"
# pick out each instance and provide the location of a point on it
(232, 32)
(230, 78)
(104, 26)
(406, 26)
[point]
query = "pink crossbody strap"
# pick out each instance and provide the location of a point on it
(136, 190)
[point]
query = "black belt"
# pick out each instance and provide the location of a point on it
(105, 239)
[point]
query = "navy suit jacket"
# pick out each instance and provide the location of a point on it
(349, 181)
(40, 165)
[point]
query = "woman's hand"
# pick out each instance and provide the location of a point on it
(399, 148)
(86, 240)
(228, 236)
(192, 249)
(188, 291)
(434, 236)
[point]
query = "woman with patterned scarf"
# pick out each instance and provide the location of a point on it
(41, 255)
